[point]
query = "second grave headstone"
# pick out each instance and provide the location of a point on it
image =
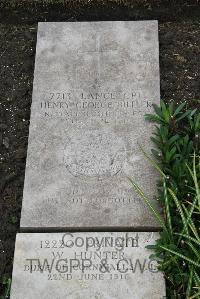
(85, 266)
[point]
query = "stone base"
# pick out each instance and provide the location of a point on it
(100, 265)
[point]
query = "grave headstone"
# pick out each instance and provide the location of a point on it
(85, 266)
(93, 83)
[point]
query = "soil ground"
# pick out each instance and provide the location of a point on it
(179, 36)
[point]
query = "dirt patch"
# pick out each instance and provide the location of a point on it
(179, 67)
(29, 11)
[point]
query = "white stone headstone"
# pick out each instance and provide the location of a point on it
(85, 266)
(93, 83)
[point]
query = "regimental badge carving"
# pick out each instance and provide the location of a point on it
(95, 154)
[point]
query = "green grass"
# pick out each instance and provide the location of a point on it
(6, 282)
(177, 158)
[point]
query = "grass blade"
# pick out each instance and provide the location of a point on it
(152, 162)
(189, 287)
(193, 249)
(167, 209)
(191, 224)
(189, 217)
(183, 257)
(179, 209)
(189, 238)
(197, 295)
(148, 203)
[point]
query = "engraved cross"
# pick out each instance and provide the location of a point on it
(99, 51)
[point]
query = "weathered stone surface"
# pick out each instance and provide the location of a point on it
(93, 83)
(85, 266)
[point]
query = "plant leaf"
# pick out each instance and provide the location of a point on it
(183, 257)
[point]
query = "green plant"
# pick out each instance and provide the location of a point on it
(13, 219)
(176, 157)
(6, 283)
